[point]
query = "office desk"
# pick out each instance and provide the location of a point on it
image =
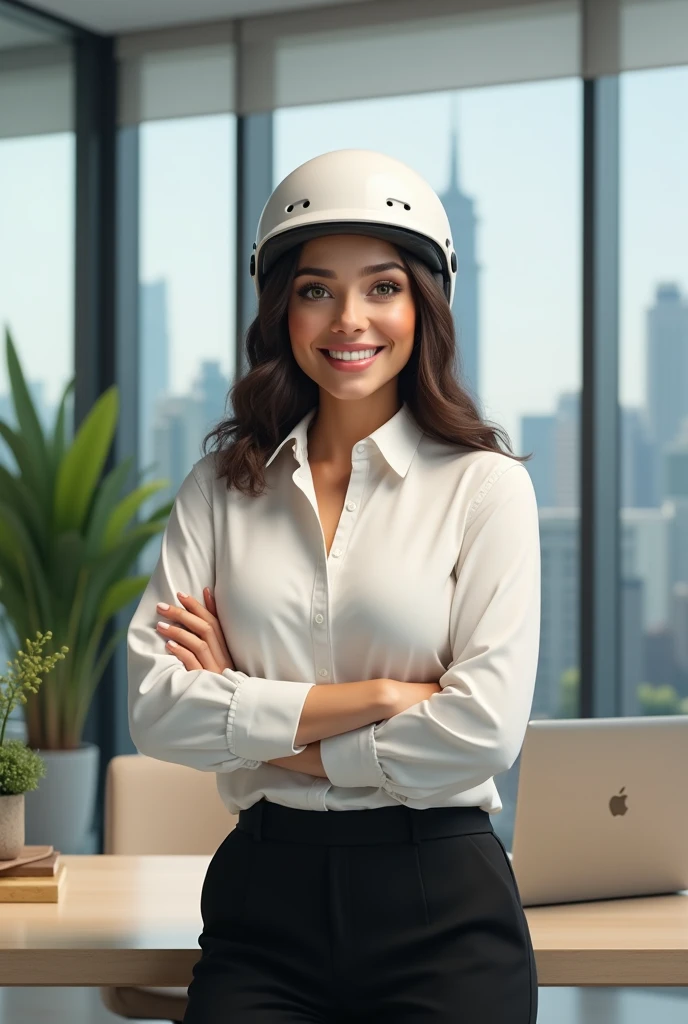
(136, 920)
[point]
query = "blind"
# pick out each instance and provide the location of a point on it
(351, 51)
(653, 33)
(178, 73)
(36, 90)
(393, 47)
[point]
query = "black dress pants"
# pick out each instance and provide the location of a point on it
(384, 916)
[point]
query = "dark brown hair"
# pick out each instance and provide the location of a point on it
(275, 393)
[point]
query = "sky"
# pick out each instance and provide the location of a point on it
(520, 152)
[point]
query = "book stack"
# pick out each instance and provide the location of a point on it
(35, 876)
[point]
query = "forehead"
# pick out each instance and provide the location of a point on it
(347, 248)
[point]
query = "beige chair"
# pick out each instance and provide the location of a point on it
(156, 807)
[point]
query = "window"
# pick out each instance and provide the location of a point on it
(506, 162)
(37, 180)
(187, 293)
(654, 391)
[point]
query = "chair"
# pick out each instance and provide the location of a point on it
(156, 807)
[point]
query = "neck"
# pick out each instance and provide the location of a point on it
(339, 424)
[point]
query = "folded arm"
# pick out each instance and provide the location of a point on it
(207, 720)
(474, 728)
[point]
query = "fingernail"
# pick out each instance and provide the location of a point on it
(181, 594)
(163, 625)
(172, 643)
(161, 604)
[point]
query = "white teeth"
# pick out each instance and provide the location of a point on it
(363, 354)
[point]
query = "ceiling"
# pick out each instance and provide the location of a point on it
(117, 16)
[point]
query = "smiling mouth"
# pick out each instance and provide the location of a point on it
(374, 348)
(350, 365)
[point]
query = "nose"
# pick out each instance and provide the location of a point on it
(349, 316)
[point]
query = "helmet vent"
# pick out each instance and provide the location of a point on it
(302, 202)
(399, 202)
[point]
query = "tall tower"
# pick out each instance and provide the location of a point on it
(667, 363)
(461, 213)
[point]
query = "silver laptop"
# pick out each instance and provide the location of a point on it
(602, 809)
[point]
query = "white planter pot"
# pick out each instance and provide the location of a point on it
(11, 825)
(60, 812)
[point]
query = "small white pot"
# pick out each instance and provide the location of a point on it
(11, 826)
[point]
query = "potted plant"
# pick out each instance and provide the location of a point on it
(21, 768)
(68, 541)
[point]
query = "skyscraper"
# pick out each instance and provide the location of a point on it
(461, 213)
(667, 366)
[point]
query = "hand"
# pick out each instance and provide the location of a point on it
(198, 638)
(405, 695)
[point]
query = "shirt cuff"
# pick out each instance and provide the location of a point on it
(349, 759)
(263, 717)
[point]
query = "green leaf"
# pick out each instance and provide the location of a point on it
(19, 448)
(160, 513)
(66, 561)
(111, 566)
(106, 499)
(124, 512)
(83, 463)
(28, 421)
(24, 502)
(18, 548)
(13, 601)
(119, 594)
(59, 438)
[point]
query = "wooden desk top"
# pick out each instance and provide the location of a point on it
(136, 921)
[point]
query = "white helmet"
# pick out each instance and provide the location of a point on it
(356, 191)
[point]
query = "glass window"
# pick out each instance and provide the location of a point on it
(37, 182)
(187, 294)
(506, 162)
(654, 391)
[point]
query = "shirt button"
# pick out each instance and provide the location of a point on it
(351, 505)
(337, 552)
(323, 672)
(318, 617)
(360, 447)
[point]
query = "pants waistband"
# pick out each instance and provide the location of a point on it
(266, 820)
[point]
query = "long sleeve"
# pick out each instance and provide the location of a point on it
(474, 728)
(206, 720)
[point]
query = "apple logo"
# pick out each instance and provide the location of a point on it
(617, 804)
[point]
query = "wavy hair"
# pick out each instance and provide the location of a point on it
(275, 393)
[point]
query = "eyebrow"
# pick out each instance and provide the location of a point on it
(374, 268)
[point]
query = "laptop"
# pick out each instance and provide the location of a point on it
(602, 809)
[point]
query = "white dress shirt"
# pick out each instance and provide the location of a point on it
(433, 576)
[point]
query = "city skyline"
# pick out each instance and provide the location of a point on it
(185, 229)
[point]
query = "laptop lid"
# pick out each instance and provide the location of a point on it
(601, 810)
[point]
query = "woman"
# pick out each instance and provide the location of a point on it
(350, 625)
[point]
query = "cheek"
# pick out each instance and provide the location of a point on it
(301, 326)
(400, 321)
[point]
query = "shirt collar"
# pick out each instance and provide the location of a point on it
(397, 439)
